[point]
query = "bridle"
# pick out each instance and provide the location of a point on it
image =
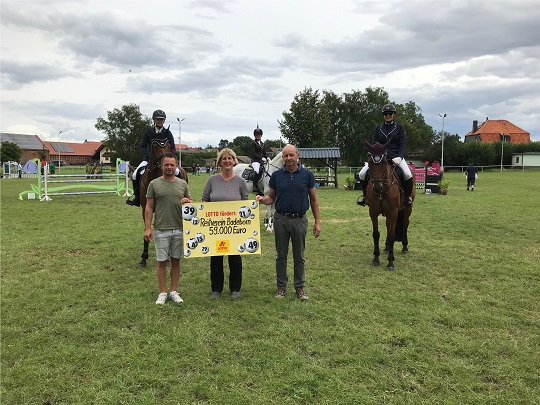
(380, 186)
(157, 161)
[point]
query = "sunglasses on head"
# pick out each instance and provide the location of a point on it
(388, 113)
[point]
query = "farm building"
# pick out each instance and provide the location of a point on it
(526, 159)
(491, 131)
(30, 145)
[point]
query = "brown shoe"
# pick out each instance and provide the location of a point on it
(280, 292)
(300, 293)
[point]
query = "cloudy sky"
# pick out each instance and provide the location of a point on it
(225, 65)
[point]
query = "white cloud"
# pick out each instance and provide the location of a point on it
(224, 65)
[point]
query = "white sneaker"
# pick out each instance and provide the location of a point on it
(174, 296)
(161, 298)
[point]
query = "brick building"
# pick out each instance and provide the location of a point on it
(491, 131)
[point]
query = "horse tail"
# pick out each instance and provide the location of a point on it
(399, 226)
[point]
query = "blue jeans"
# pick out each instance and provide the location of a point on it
(294, 230)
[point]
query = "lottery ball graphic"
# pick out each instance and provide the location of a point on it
(189, 212)
(255, 233)
(241, 248)
(254, 204)
(205, 249)
(187, 253)
(201, 206)
(187, 231)
(200, 237)
(192, 243)
(252, 216)
(244, 212)
(251, 245)
(195, 221)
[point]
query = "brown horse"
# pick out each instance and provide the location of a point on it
(385, 197)
(158, 149)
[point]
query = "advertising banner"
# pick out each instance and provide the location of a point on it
(221, 228)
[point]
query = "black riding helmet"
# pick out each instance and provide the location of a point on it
(389, 108)
(257, 131)
(159, 114)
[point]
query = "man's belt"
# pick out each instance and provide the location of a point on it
(290, 215)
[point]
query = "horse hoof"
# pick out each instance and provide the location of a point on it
(390, 267)
(404, 250)
(375, 264)
(142, 265)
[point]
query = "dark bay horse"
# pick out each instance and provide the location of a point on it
(385, 197)
(158, 149)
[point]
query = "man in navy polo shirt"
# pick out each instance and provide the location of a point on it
(293, 190)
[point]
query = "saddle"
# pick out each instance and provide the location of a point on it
(398, 171)
(249, 174)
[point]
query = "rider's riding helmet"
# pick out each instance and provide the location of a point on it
(257, 131)
(389, 108)
(159, 114)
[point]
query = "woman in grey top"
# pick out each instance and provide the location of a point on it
(225, 186)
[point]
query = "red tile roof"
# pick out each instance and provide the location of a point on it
(79, 149)
(490, 130)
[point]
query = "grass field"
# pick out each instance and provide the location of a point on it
(458, 321)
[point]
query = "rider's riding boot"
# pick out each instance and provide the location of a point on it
(256, 178)
(136, 200)
(408, 186)
(364, 184)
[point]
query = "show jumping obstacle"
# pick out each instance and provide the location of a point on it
(116, 183)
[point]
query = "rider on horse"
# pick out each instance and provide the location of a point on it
(394, 132)
(258, 157)
(156, 132)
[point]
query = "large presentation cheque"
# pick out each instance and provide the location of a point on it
(221, 228)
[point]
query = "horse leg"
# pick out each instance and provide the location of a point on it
(405, 240)
(390, 239)
(269, 218)
(376, 238)
(144, 255)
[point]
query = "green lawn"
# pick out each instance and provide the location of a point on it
(458, 321)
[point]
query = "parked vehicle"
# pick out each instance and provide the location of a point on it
(59, 163)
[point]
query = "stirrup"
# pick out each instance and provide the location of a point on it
(362, 202)
(409, 201)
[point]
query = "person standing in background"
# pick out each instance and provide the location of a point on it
(472, 173)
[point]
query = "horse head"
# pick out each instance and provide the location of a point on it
(158, 149)
(378, 165)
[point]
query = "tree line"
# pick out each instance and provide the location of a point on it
(317, 119)
(326, 119)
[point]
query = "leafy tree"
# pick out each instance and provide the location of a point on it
(307, 124)
(241, 145)
(10, 151)
(223, 143)
(124, 129)
(361, 114)
(419, 134)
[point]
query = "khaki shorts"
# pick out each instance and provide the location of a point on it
(168, 243)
